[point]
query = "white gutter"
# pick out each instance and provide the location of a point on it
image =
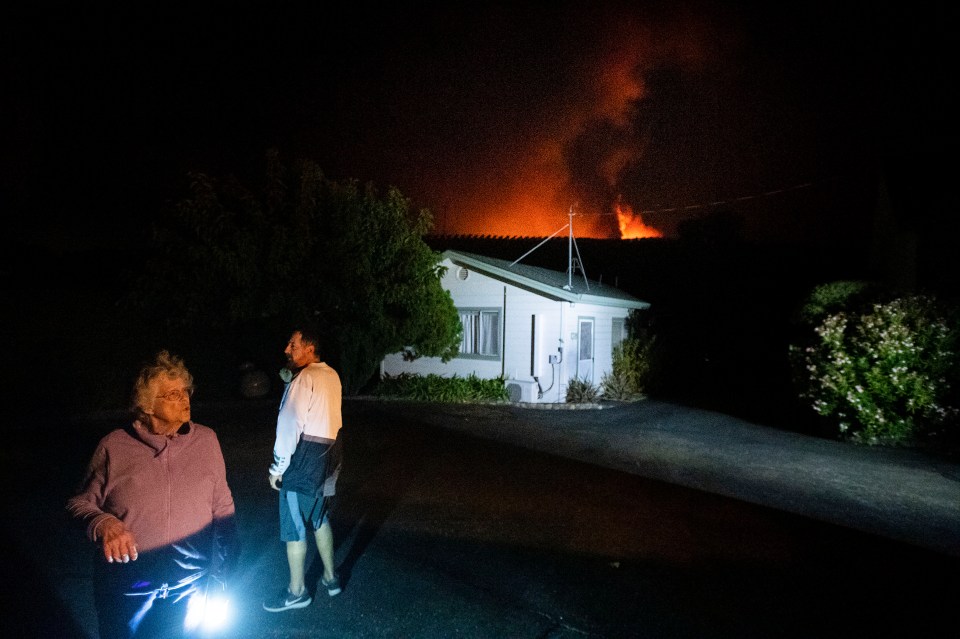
(553, 291)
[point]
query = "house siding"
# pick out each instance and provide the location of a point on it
(557, 325)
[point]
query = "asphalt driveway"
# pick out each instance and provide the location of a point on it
(903, 494)
(422, 562)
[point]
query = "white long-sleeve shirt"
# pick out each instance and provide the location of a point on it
(308, 423)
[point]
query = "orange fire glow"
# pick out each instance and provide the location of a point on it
(631, 224)
(526, 184)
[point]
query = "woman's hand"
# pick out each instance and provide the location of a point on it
(119, 543)
(275, 481)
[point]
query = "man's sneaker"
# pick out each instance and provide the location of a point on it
(332, 586)
(286, 600)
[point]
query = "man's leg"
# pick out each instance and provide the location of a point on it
(324, 538)
(296, 557)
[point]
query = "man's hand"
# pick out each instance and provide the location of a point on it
(275, 481)
(119, 543)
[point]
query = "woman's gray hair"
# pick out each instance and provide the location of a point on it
(164, 365)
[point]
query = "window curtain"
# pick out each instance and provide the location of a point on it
(480, 333)
(468, 343)
(488, 334)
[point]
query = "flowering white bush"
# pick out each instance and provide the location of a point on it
(885, 374)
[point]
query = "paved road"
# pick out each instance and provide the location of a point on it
(905, 495)
(461, 533)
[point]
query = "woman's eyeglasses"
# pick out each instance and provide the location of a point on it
(177, 395)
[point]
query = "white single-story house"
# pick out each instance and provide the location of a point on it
(535, 327)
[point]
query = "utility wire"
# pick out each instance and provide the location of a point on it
(693, 207)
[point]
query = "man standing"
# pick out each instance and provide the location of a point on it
(306, 464)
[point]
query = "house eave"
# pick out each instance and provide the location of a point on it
(612, 301)
(545, 289)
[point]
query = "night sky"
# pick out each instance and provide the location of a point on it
(498, 118)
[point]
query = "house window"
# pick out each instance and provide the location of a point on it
(617, 331)
(481, 332)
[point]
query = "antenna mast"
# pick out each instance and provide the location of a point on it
(571, 245)
(570, 250)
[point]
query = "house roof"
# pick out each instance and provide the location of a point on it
(552, 284)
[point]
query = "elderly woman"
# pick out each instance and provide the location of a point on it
(155, 498)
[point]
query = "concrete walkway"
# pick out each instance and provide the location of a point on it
(902, 494)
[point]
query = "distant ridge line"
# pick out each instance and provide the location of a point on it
(470, 236)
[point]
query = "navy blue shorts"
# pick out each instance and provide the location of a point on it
(299, 512)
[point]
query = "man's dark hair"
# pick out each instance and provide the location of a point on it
(309, 334)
